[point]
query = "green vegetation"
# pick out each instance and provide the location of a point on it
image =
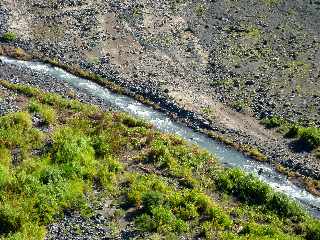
(170, 189)
(309, 137)
(200, 10)
(9, 37)
(273, 121)
(253, 33)
(249, 189)
(239, 105)
(47, 113)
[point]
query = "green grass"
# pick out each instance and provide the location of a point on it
(169, 188)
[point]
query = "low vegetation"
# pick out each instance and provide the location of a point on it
(9, 37)
(167, 188)
(307, 137)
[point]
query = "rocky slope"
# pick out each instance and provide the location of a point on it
(215, 58)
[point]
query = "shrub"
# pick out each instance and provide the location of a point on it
(5, 156)
(273, 122)
(208, 230)
(284, 206)
(251, 190)
(201, 200)
(74, 149)
(107, 170)
(313, 231)
(102, 144)
(163, 217)
(245, 187)
(188, 211)
(310, 137)
(132, 122)
(51, 199)
(142, 184)
(16, 131)
(47, 113)
(264, 232)
(151, 199)
(180, 226)
(293, 131)
(145, 223)
(9, 219)
(4, 176)
(9, 37)
(51, 174)
(16, 120)
(70, 146)
(218, 216)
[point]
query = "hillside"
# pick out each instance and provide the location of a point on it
(229, 63)
(70, 170)
(244, 74)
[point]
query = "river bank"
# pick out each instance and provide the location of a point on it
(227, 155)
(274, 151)
(135, 172)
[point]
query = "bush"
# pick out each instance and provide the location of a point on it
(162, 220)
(313, 231)
(16, 131)
(132, 122)
(293, 131)
(218, 216)
(245, 187)
(5, 156)
(75, 150)
(284, 206)
(273, 122)
(9, 37)
(188, 211)
(51, 199)
(102, 144)
(47, 113)
(266, 232)
(151, 199)
(5, 176)
(70, 146)
(310, 137)
(251, 190)
(145, 223)
(16, 120)
(163, 217)
(9, 219)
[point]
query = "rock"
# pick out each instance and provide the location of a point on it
(250, 82)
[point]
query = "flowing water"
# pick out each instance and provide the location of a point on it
(225, 155)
